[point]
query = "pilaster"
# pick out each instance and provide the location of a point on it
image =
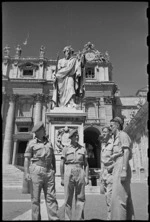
(7, 147)
(38, 98)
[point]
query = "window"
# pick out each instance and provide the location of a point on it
(28, 72)
(23, 129)
(89, 73)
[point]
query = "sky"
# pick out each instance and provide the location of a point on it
(121, 28)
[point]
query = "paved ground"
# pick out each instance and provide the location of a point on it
(17, 206)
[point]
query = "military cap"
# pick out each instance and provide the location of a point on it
(118, 120)
(37, 126)
(73, 132)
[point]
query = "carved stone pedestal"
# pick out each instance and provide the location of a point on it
(59, 123)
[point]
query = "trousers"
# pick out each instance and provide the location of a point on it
(107, 184)
(43, 178)
(121, 204)
(74, 180)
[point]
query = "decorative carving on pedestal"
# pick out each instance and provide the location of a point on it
(62, 139)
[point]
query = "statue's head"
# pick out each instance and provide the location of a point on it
(66, 129)
(68, 51)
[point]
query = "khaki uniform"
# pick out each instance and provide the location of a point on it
(74, 178)
(106, 175)
(121, 206)
(43, 177)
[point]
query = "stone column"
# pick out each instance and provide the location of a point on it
(108, 108)
(106, 78)
(101, 74)
(38, 108)
(7, 147)
(102, 112)
(97, 106)
(14, 153)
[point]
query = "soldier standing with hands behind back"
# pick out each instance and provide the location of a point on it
(74, 175)
(41, 172)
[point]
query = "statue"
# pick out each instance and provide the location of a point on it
(6, 50)
(68, 82)
(42, 51)
(18, 51)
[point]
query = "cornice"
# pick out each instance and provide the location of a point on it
(28, 80)
(100, 83)
(30, 59)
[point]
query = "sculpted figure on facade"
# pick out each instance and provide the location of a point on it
(42, 51)
(69, 80)
(18, 51)
(6, 50)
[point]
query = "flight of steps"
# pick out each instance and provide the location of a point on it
(13, 178)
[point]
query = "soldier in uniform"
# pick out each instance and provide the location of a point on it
(121, 204)
(41, 172)
(74, 176)
(107, 166)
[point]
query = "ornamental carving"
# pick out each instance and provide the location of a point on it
(13, 97)
(97, 56)
(28, 66)
(62, 138)
(38, 97)
(108, 100)
(47, 98)
(140, 103)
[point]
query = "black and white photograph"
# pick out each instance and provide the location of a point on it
(74, 110)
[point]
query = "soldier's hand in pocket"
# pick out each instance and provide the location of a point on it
(27, 176)
(62, 181)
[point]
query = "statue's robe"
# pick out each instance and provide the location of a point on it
(69, 81)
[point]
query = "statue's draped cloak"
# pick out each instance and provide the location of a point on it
(69, 80)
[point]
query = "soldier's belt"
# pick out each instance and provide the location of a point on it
(75, 165)
(42, 164)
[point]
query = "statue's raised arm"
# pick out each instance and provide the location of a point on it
(69, 79)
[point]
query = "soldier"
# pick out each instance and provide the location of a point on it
(121, 204)
(74, 175)
(41, 172)
(107, 166)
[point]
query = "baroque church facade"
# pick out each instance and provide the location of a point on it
(27, 89)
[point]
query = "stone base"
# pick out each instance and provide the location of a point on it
(59, 122)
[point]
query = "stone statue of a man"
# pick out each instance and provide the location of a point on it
(68, 79)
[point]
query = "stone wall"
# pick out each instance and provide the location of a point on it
(138, 132)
